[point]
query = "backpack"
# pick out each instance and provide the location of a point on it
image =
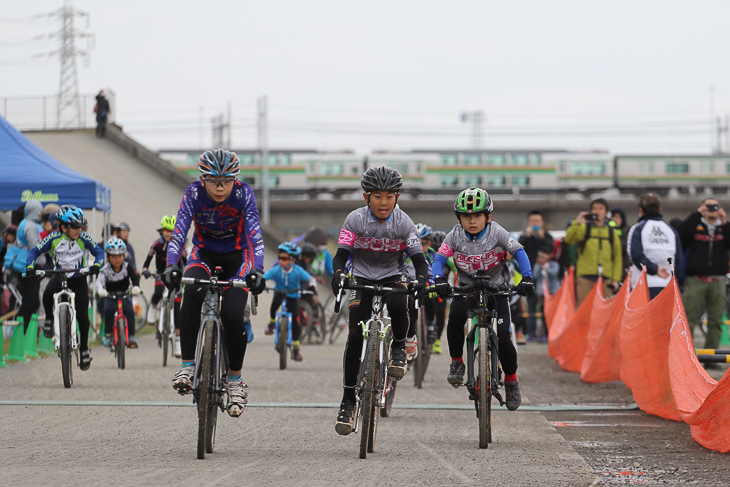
(582, 244)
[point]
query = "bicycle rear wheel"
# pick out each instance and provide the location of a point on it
(121, 345)
(418, 361)
(206, 394)
(320, 325)
(64, 321)
(425, 348)
(140, 305)
(367, 404)
(484, 396)
(389, 394)
(283, 325)
(338, 323)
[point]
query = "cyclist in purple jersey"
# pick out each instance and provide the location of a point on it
(378, 236)
(227, 235)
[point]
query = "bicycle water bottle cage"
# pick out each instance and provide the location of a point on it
(217, 271)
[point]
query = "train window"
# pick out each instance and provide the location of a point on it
(355, 169)
(496, 181)
(495, 159)
(285, 159)
(727, 168)
(707, 167)
(247, 159)
(273, 181)
(471, 181)
(646, 167)
(448, 181)
(520, 159)
(332, 168)
(448, 159)
(536, 159)
(250, 180)
(273, 159)
(587, 168)
(472, 159)
(401, 168)
(673, 168)
(520, 180)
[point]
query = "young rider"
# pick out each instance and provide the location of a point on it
(289, 279)
(479, 244)
(158, 251)
(424, 233)
(117, 276)
(377, 236)
(227, 235)
(68, 247)
(437, 238)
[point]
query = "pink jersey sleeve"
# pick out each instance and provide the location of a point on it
(347, 238)
(446, 250)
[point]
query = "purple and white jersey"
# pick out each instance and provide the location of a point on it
(378, 247)
(486, 253)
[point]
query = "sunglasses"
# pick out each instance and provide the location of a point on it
(219, 182)
(73, 226)
(284, 257)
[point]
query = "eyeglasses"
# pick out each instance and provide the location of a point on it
(74, 226)
(220, 182)
(284, 257)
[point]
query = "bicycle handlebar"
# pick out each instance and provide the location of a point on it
(376, 288)
(42, 273)
(237, 284)
(469, 289)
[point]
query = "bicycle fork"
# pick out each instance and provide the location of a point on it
(56, 319)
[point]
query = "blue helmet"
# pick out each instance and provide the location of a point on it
(423, 230)
(72, 215)
(115, 246)
(220, 163)
(290, 248)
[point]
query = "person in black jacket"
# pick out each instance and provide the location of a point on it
(534, 239)
(102, 111)
(706, 236)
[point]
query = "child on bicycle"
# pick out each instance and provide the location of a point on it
(227, 235)
(306, 261)
(289, 279)
(68, 247)
(479, 244)
(117, 276)
(424, 232)
(378, 236)
(158, 251)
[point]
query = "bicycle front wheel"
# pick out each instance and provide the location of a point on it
(306, 321)
(283, 325)
(64, 321)
(338, 323)
(121, 345)
(165, 333)
(207, 400)
(367, 403)
(484, 395)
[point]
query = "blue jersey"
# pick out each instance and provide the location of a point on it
(219, 227)
(292, 280)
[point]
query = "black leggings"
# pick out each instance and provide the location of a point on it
(292, 306)
(413, 313)
(231, 310)
(455, 330)
(81, 289)
(361, 303)
(29, 288)
(440, 312)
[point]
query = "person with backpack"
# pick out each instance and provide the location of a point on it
(28, 237)
(599, 251)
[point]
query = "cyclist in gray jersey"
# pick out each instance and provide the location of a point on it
(477, 244)
(377, 236)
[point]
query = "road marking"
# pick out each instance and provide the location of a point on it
(576, 424)
(446, 464)
(321, 405)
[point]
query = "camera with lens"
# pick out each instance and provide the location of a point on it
(591, 217)
(714, 207)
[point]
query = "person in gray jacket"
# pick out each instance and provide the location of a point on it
(29, 232)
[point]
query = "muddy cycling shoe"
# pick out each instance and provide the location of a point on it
(183, 380)
(269, 328)
(345, 418)
(237, 397)
(514, 396)
(48, 328)
(398, 363)
(133, 342)
(85, 361)
(456, 373)
(296, 355)
(436, 348)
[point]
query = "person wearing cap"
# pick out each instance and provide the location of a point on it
(102, 110)
(654, 244)
(705, 235)
(122, 231)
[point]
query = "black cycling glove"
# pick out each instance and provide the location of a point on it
(94, 270)
(337, 281)
(255, 281)
(171, 277)
(442, 286)
(526, 286)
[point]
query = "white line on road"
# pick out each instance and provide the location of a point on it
(446, 464)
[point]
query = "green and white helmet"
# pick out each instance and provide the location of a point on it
(473, 200)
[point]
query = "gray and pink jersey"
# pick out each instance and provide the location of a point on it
(486, 252)
(379, 247)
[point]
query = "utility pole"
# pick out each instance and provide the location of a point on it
(69, 109)
(476, 119)
(228, 126)
(264, 154)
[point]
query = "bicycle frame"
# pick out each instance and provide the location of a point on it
(289, 319)
(481, 317)
(119, 315)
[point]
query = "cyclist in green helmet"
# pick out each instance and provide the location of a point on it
(479, 244)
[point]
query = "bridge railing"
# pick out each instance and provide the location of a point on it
(42, 112)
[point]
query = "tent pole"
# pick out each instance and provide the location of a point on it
(93, 285)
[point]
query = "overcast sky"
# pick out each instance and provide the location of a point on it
(396, 74)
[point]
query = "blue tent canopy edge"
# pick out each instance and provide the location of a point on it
(28, 173)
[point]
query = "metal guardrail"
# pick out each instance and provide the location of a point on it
(41, 112)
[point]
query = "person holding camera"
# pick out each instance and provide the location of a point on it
(706, 236)
(534, 239)
(599, 251)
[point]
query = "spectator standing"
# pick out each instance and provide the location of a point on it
(122, 231)
(706, 236)
(102, 111)
(28, 237)
(545, 269)
(599, 251)
(651, 243)
(534, 238)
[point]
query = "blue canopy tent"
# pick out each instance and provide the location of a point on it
(28, 173)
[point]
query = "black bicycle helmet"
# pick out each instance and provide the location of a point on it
(437, 238)
(309, 250)
(381, 178)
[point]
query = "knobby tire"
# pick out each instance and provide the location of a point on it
(390, 395)
(206, 399)
(283, 325)
(65, 348)
(306, 321)
(485, 397)
(165, 334)
(368, 384)
(121, 342)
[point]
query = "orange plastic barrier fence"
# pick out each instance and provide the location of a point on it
(648, 345)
